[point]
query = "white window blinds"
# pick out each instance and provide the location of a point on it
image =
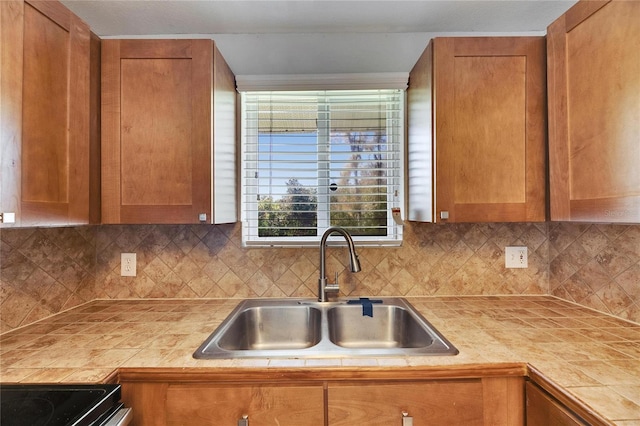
(314, 159)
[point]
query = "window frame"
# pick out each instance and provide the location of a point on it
(395, 188)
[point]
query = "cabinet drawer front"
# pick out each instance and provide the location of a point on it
(264, 405)
(431, 403)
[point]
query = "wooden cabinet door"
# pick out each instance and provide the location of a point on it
(544, 411)
(594, 112)
(445, 403)
(45, 114)
(490, 129)
(486, 99)
(156, 130)
(285, 405)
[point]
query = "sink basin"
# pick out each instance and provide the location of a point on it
(273, 327)
(305, 328)
(389, 326)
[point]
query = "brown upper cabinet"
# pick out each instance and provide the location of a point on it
(168, 132)
(594, 112)
(477, 131)
(45, 115)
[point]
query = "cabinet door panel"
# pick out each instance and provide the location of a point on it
(11, 66)
(478, 104)
(156, 123)
(430, 403)
(196, 405)
(45, 109)
(489, 136)
(594, 107)
(50, 48)
(155, 131)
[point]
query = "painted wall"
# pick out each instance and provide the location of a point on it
(45, 271)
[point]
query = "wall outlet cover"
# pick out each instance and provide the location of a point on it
(127, 264)
(516, 257)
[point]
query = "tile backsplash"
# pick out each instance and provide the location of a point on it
(45, 271)
(596, 266)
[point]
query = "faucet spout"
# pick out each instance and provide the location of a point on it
(323, 285)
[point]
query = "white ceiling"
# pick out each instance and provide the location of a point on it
(318, 36)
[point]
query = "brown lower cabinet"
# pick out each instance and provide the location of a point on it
(544, 410)
(477, 401)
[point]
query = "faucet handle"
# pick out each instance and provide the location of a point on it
(332, 288)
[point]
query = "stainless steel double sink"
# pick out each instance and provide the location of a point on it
(304, 328)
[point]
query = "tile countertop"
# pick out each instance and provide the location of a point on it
(593, 357)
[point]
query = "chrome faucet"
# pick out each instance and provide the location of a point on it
(323, 286)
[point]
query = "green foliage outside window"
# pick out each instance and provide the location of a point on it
(358, 200)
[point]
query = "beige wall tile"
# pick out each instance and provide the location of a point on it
(45, 271)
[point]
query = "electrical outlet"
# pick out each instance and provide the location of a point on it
(516, 257)
(127, 264)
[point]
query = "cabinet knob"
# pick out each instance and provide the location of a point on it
(244, 421)
(7, 217)
(406, 419)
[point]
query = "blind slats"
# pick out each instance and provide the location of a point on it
(316, 159)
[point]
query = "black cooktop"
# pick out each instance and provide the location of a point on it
(56, 405)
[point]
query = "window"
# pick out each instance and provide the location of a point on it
(315, 159)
